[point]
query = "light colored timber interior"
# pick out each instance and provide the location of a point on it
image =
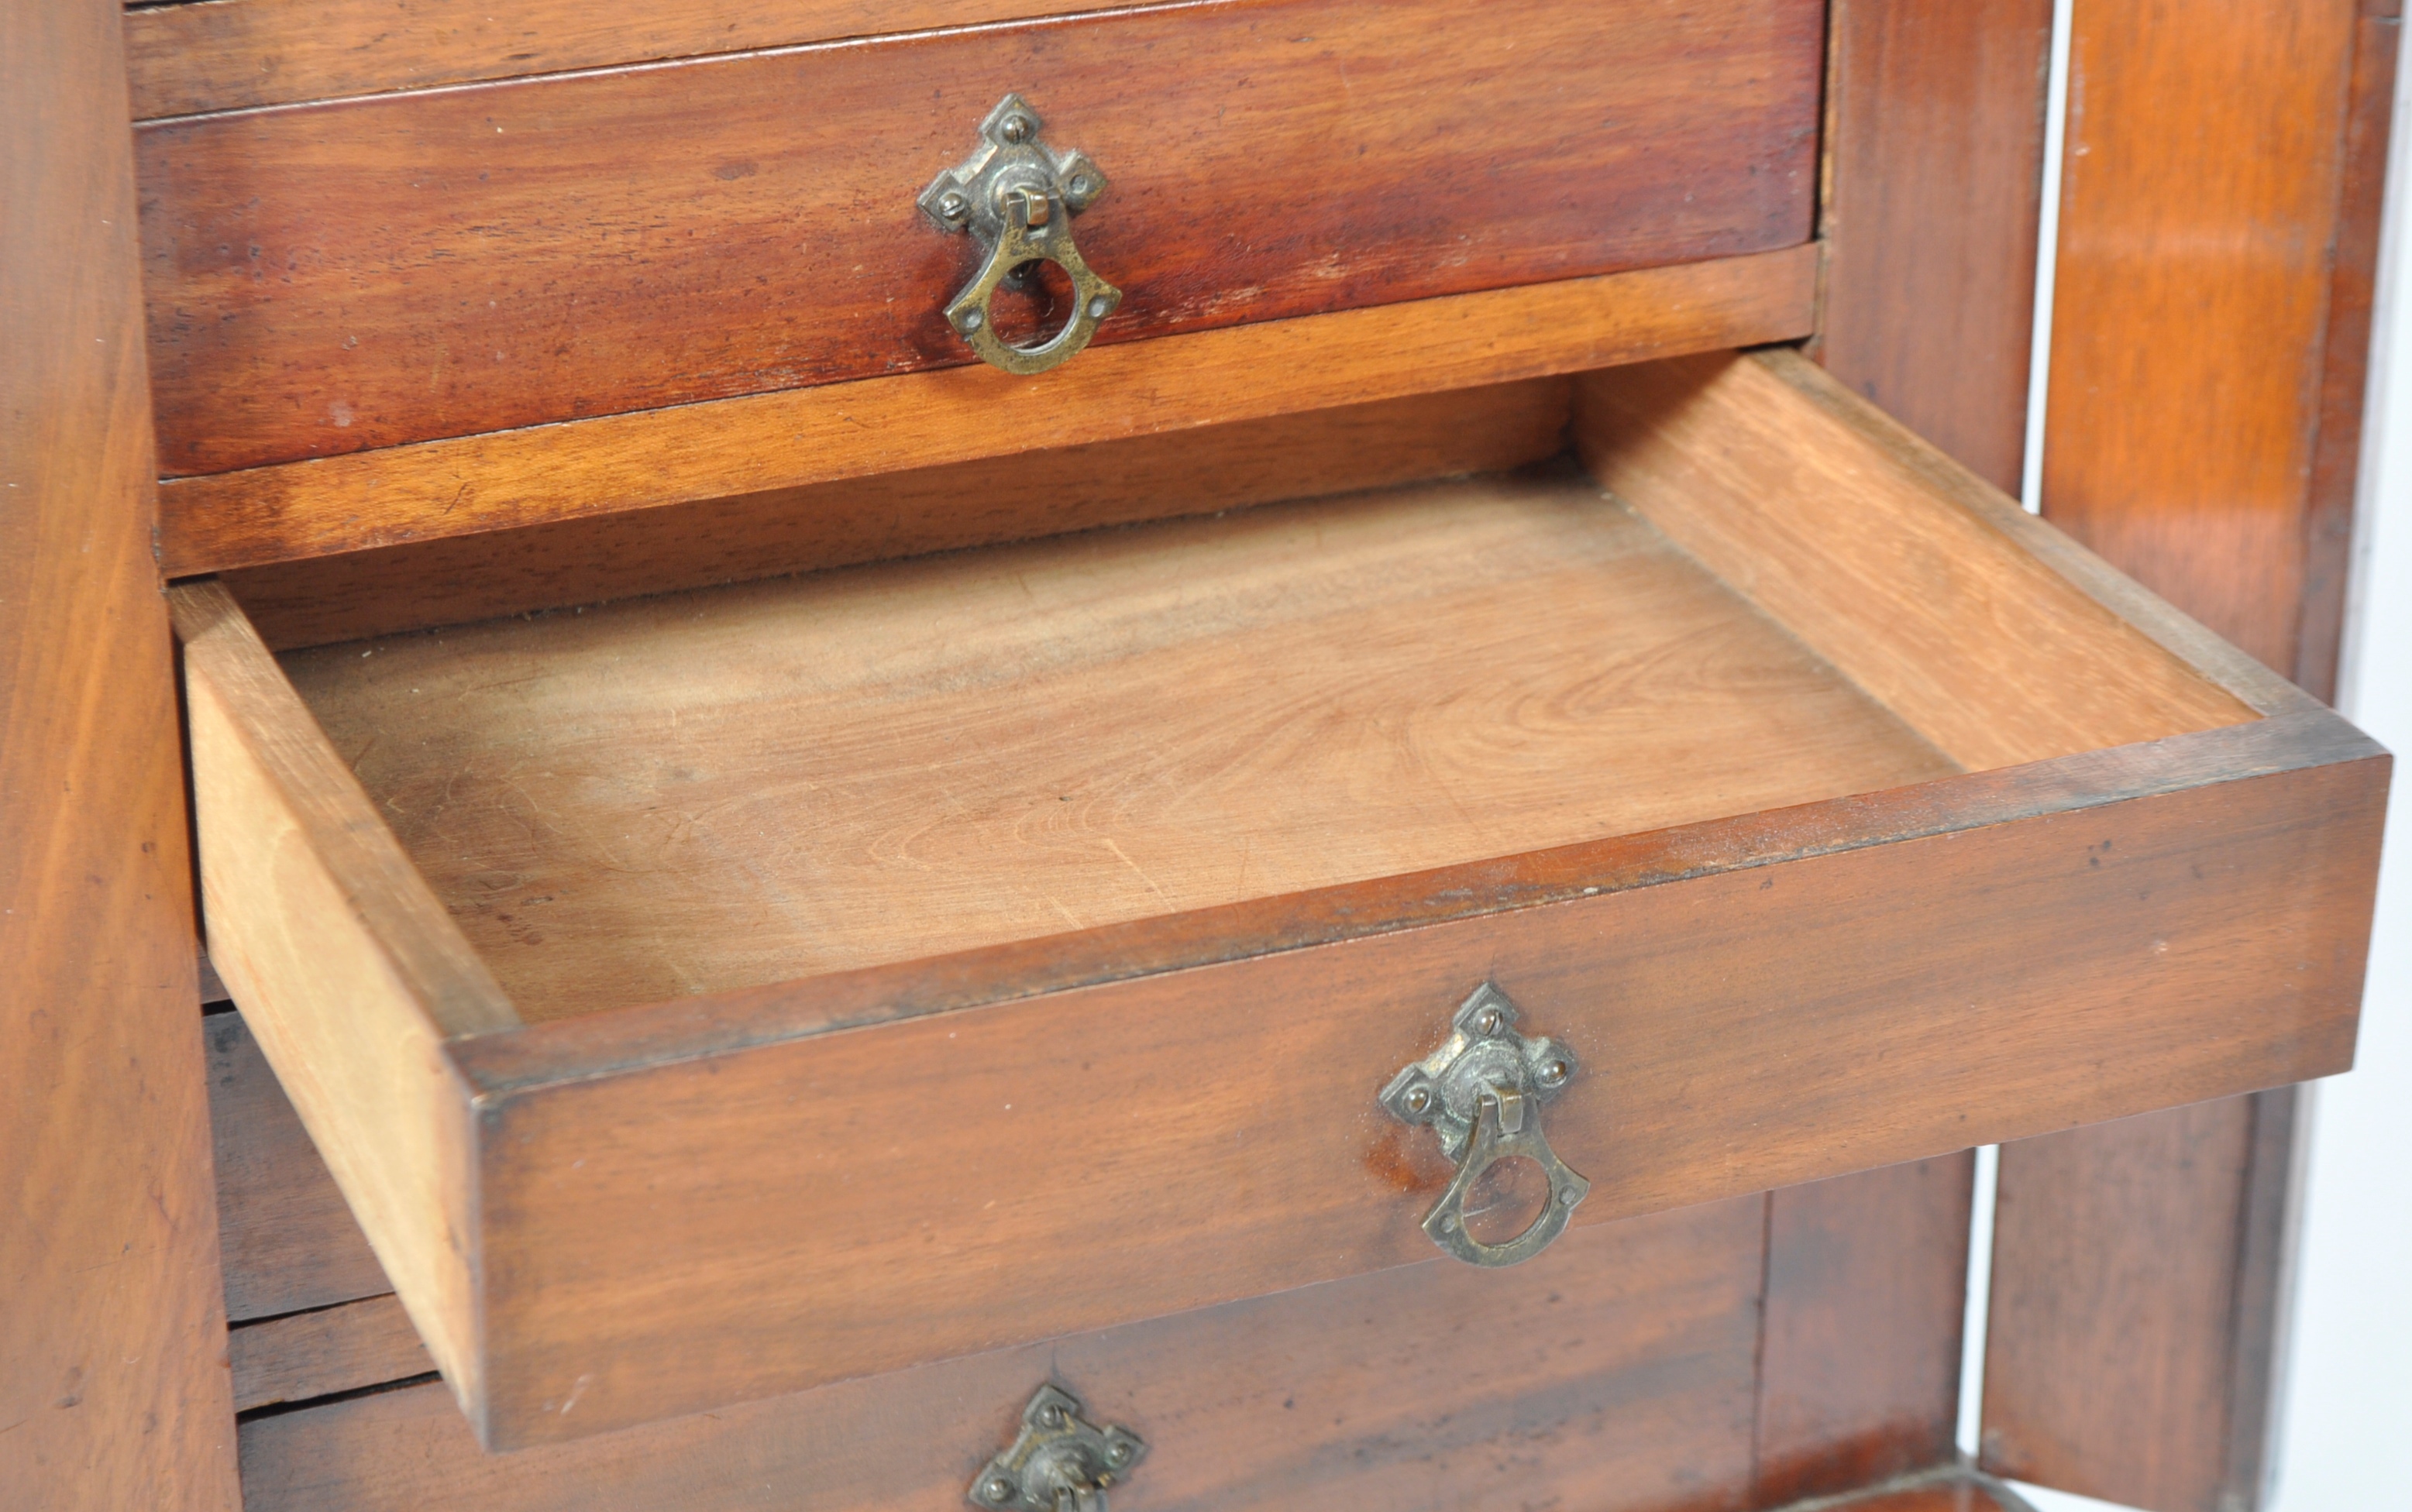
(693, 792)
(453, 579)
(351, 974)
(1926, 586)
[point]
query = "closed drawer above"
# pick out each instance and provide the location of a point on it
(707, 996)
(331, 276)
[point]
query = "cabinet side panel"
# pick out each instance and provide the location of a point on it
(1867, 1281)
(1933, 183)
(2211, 327)
(116, 1392)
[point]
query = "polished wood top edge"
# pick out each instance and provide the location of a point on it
(2259, 688)
(450, 988)
(208, 57)
(525, 1059)
(791, 437)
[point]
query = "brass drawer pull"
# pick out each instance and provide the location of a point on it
(1017, 198)
(1483, 1092)
(1059, 1462)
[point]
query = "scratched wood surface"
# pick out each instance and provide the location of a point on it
(331, 278)
(910, 759)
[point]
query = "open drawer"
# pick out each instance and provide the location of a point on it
(706, 996)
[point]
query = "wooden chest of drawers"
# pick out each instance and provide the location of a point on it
(803, 887)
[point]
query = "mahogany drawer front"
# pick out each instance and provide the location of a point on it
(1614, 1373)
(328, 277)
(705, 998)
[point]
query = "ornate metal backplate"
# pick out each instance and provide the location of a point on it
(1482, 1092)
(1060, 1463)
(1016, 197)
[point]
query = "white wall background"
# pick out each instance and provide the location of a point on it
(2345, 1434)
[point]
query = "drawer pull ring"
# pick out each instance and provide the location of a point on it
(1483, 1092)
(1017, 198)
(1060, 1463)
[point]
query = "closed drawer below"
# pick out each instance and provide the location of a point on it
(709, 996)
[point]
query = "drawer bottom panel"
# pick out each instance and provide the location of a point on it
(1613, 1372)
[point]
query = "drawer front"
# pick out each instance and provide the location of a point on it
(1613, 1374)
(332, 277)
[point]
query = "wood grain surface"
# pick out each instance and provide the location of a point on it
(461, 578)
(1933, 188)
(1934, 144)
(1932, 601)
(907, 760)
(226, 54)
(1740, 947)
(2200, 204)
(287, 1240)
(1611, 1373)
(2212, 332)
(325, 1353)
(845, 430)
(1858, 1377)
(346, 967)
(113, 1386)
(1753, 1027)
(332, 278)
(2158, 1433)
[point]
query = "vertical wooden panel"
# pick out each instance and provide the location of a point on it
(2198, 216)
(2211, 327)
(1933, 175)
(1860, 1365)
(2134, 1358)
(1933, 168)
(114, 1391)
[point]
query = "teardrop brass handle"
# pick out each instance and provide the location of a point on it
(1483, 1092)
(1017, 198)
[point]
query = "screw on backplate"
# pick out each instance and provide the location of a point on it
(1081, 184)
(954, 206)
(1487, 1021)
(1118, 1452)
(1553, 1073)
(970, 320)
(1417, 1099)
(1051, 1416)
(1015, 129)
(1100, 307)
(999, 1490)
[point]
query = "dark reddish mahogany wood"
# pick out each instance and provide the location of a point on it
(1866, 1294)
(1612, 1373)
(329, 278)
(1935, 168)
(1749, 1046)
(1934, 185)
(113, 1384)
